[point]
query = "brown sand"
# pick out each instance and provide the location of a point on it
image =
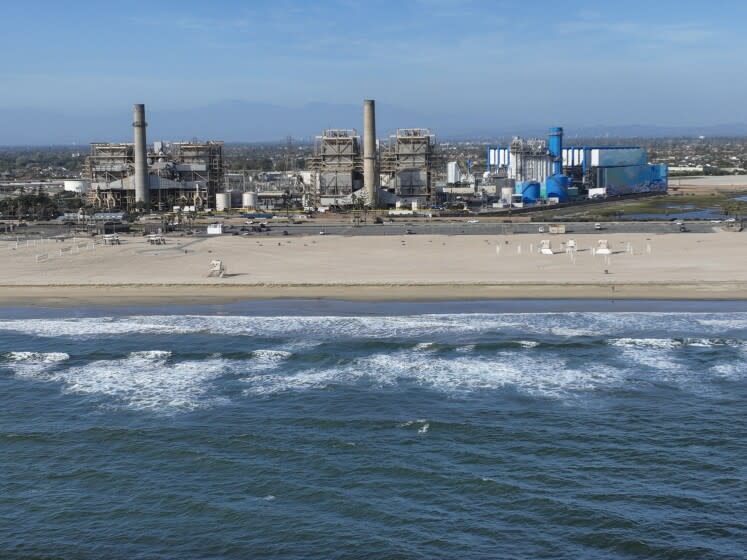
(414, 267)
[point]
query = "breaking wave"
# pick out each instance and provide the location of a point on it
(537, 376)
(387, 327)
(550, 355)
(142, 380)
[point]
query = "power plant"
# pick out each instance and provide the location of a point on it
(347, 170)
(338, 169)
(406, 164)
(538, 170)
(162, 175)
(398, 171)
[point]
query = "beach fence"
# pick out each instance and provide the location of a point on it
(22, 243)
(75, 248)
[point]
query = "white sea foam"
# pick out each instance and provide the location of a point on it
(660, 355)
(271, 356)
(652, 353)
(152, 380)
(142, 380)
(38, 357)
(571, 331)
(381, 327)
(734, 321)
(152, 355)
(548, 377)
(711, 342)
(733, 371)
(662, 343)
(33, 364)
(262, 361)
(420, 423)
(671, 343)
(424, 428)
(96, 326)
(323, 327)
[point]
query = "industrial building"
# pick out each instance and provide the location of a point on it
(406, 165)
(347, 170)
(162, 175)
(344, 169)
(336, 169)
(265, 190)
(538, 170)
(614, 171)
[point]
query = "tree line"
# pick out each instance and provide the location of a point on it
(39, 206)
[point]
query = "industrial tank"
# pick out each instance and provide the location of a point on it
(529, 191)
(222, 201)
(555, 147)
(557, 187)
(506, 193)
(415, 206)
(236, 199)
(249, 200)
(80, 187)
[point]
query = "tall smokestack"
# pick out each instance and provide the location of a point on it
(370, 175)
(142, 186)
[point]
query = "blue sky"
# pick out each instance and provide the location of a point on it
(657, 61)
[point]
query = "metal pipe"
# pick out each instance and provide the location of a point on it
(370, 174)
(142, 186)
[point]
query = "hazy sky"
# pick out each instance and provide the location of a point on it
(656, 61)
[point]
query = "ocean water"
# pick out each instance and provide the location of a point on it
(333, 430)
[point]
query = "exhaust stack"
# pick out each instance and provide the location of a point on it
(555, 147)
(142, 186)
(370, 174)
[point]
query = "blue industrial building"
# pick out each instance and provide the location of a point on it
(561, 171)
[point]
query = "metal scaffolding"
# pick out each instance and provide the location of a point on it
(336, 165)
(110, 169)
(407, 159)
(530, 160)
(179, 173)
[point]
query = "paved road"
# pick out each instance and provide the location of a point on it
(434, 228)
(481, 228)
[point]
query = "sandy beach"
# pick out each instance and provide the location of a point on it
(411, 267)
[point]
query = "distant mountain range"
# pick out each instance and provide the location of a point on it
(241, 121)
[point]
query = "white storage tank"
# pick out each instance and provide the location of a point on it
(453, 173)
(249, 200)
(76, 186)
(415, 206)
(506, 193)
(222, 201)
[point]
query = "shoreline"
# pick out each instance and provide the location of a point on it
(74, 295)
